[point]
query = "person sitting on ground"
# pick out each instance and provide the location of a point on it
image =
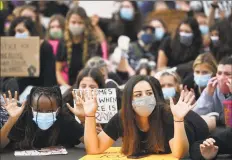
(145, 122)
(39, 122)
(217, 90)
(204, 68)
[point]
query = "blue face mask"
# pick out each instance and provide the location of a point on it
(22, 35)
(169, 92)
(202, 80)
(127, 14)
(147, 38)
(159, 33)
(204, 29)
(44, 120)
(186, 38)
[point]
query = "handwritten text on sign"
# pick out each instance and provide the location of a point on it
(107, 103)
(20, 57)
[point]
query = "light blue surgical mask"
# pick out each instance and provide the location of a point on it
(169, 92)
(22, 35)
(127, 14)
(44, 120)
(202, 80)
(159, 33)
(204, 29)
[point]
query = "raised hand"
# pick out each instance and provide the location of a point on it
(183, 106)
(87, 105)
(208, 149)
(211, 86)
(94, 20)
(78, 109)
(11, 106)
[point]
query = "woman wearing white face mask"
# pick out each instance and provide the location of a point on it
(145, 123)
(80, 43)
(23, 27)
(40, 122)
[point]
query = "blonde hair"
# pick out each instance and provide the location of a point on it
(89, 37)
(209, 60)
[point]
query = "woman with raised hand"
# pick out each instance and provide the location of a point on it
(145, 122)
(40, 122)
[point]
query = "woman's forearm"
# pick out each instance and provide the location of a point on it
(180, 144)
(90, 136)
(5, 130)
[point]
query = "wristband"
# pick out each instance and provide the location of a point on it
(178, 121)
(214, 6)
(89, 116)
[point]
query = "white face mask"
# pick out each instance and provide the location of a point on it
(22, 35)
(144, 106)
(76, 30)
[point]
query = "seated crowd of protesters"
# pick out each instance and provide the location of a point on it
(173, 90)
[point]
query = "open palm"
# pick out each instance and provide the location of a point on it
(78, 109)
(183, 106)
(11, 106)
(87, 105)
(90, 103)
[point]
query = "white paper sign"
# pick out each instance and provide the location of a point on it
(107, 103)
(42, 152)
(223, 5)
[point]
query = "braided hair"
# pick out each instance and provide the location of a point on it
(89, 39)
(27, 125)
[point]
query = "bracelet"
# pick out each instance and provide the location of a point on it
(89, 116)
(178, 121)
(214, 6)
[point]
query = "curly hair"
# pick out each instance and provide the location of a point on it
(88, 37)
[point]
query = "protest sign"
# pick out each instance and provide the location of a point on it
(107, 103)
(113, 153)
(224, 6)
(171, 18)
(59, 150)
(20, 57)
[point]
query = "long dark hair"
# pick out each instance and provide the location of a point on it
(26, 124)
(94, 73)
(28, 23)
(224, 47)
(131, 139)
(38, 24)
(187, 53)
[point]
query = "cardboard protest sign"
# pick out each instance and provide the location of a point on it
(171, 18)
(107, 103)
(20, 57)
(113, 153)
